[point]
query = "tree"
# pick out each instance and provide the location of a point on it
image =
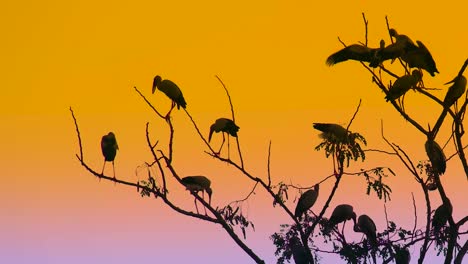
(306, 236)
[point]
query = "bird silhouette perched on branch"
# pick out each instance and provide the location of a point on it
(332, 132)
(357, 52)
(306, 201)
(440, 218)
(436, 156)
(455, 91)
(109, 149)
(341, 213)
(196, 184)
(223, 125)
(403, 84)
(171, 90)
(420, 58)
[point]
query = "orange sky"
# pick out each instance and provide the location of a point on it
(270, 54)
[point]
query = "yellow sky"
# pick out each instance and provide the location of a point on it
(270, 54)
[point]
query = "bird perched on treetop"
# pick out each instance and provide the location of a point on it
(440, 218)
(455, 91)
(306, 201)
(223, 125)
(357, 52)
(109, 149)
(366, 225)
(297, 250)
(397, 49)
(171, 90)
(421, 58)
(402, 255)
(436, 156)
(403, 84)
(332, 132)
(341, 213)
(198, 183)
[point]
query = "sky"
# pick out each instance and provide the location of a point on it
(270, 54)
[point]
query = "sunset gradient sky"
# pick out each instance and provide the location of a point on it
(270, 54)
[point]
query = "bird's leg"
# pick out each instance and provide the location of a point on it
(342, 229)
(113, 169)
(219, 151)
(168, 115)
(203, 196)
(103, 166)
(402, 103)
(196, 207)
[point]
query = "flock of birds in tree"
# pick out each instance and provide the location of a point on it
(194, 184)
(416, 56)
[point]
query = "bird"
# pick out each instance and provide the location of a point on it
(356, 52)
(436, 156)
(171, 90)
(455, 91)
(402, 255)
(403, 84)
(421, 58)
(109, 149)
(440, 218)
(332, 132)
(366, 225)
(298, 253)
(397, 49)
(196, 184)
(306, 201)
(224, 125)
(341, 213)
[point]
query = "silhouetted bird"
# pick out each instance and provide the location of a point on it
(455, 91)
(436, 156)
(403, 85)
(402, 255)
(366, 225)
(357, 52)
(332, 132)
(421, 58)
(171, 90)
(109, 149)
(397, 49)
(341, 213)
(440, 218)
(306, 201)
(223, 125)
(298, 252)
(198, 183)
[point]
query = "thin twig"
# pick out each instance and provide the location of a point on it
(233, 119)
(268, 165)
(78, 134)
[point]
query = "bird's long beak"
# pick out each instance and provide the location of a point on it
(452, 81)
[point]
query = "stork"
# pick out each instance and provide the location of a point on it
(109, 149)
(298, 252)
(198, 183)
(397, 49)
(223, 125)
(335, 134)
(436, 156)
(440, 218)
(341, 213)
(402, 255)
(332, 132)
(366, 225)
(171, 90)
(421, 58)
(403, 85)
(357, 52)
(455, 91)
(306, 201)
